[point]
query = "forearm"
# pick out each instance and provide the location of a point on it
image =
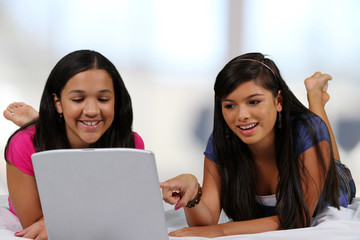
(27, 217)
(200, 215)
(250, 226)
(207, 212)
(230, 228)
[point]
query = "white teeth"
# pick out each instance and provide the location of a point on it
(248, 127)
(90, 123)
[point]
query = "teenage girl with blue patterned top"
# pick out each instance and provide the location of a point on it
(270, 162)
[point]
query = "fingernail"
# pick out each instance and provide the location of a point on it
(177, 208)
(17, 233)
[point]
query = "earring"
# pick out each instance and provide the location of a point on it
(279, 120)
(60, 115)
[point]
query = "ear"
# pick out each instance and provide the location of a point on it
(279, 102)
(57, 103)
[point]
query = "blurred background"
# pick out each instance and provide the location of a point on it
(169, 53)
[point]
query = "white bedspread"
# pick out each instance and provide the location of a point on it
(331, 224)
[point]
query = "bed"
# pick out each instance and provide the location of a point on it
(329, 224)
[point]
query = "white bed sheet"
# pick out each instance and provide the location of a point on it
(331, 224)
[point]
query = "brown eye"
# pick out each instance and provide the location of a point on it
(229, 106)
(254, 102)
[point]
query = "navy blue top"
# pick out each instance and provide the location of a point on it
(302, 142)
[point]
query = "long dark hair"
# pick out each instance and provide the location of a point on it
(237, 167)
(50, 127)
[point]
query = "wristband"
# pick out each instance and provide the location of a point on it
(196, 200)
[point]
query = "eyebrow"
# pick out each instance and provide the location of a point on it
(246, 98)
(81, 91)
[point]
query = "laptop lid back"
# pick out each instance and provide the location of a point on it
(111, 193)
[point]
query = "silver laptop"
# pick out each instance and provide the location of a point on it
(111, 193)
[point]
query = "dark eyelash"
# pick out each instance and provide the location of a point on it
(229, 106)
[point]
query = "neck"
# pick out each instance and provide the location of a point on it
(264, 150)
(265, 154)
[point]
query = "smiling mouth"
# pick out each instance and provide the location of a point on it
(90, 123)
(248, 127)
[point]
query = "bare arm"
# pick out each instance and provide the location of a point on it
(208, 210)
(313, 181)
(203, 218)
(230, 228)
(25, 200)
(312, 184)
(24, 195)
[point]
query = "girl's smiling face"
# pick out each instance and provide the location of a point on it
(87, 104)
(250, 111)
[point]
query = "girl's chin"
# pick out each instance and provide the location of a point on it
(90, 141)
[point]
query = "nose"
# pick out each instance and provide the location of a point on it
(91, 108)
(243, 113)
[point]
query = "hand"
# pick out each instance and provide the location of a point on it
(180, 190)
(316, 86)
(36, 231)
(203, 231)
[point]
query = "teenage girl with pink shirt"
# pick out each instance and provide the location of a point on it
(84, 104)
